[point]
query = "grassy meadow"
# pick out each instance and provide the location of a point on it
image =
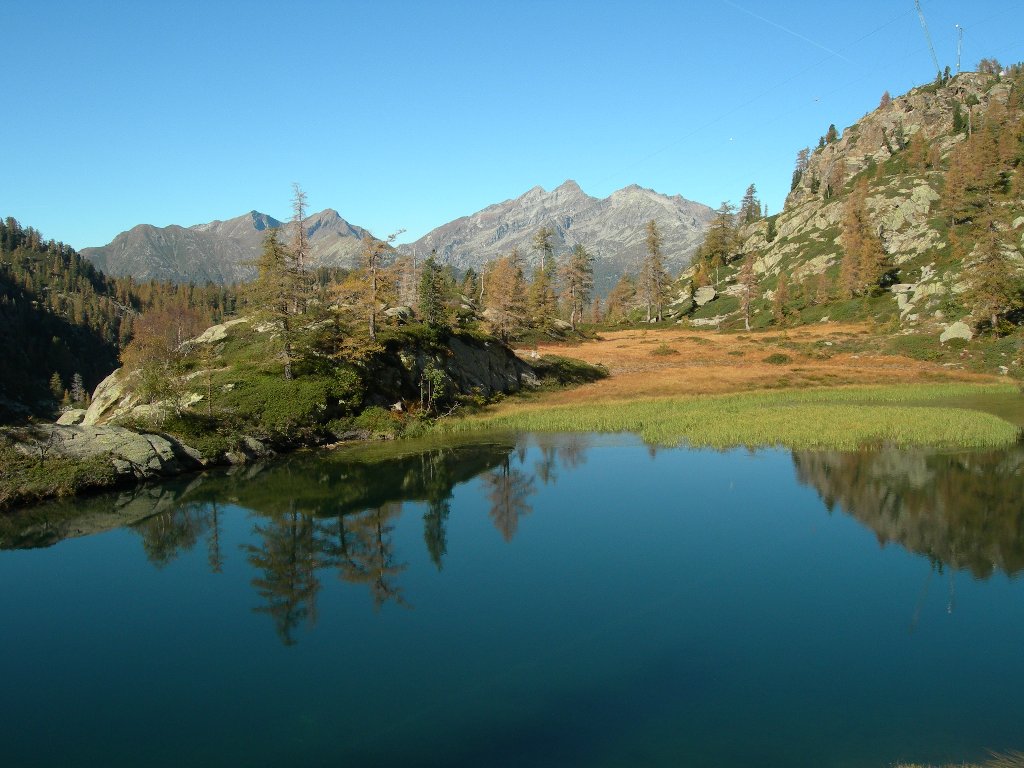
(845, 419)
(822, 387)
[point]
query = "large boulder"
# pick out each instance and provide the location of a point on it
(132, 454)
(113, 397)
(399, 314)
(703, 295)
(71, 416)
(216, 333)
(958, 330)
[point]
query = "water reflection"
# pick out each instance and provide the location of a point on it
(317, 514)
(962, 510)
(508, 489)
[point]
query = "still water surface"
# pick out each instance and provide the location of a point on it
(542, 601)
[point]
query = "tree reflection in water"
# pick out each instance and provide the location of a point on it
(339, 511)
(287, 556)
(508, 490)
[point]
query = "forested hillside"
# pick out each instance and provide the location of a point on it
(65, 322)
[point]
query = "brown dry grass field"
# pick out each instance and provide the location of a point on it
(690, 362)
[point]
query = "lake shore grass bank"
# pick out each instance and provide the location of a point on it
(843, 419)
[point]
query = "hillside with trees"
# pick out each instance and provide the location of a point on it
(66, 323)
(912, 219)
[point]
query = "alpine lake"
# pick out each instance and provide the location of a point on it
(525, 600)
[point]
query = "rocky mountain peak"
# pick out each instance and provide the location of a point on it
(613, 232)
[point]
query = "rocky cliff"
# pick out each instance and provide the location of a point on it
(611, 229)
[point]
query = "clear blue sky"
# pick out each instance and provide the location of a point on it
(409, 114)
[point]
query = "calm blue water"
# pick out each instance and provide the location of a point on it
(560, 601)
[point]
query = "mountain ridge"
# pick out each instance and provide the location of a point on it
(611, 228)
(221, 251)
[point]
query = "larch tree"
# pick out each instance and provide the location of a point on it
(800, 167)
(300, 250)
(56, 386)
(504, 296)
(864, 257)
(273, 292)
(621, 300)
(995, 287)
(577, 275)
(719, 241)
(653, 282)
(78, 393)
(376, 277)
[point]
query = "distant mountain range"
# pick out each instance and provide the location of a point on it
(612, 229)
(221, 251)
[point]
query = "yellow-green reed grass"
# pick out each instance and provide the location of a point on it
(845, 419)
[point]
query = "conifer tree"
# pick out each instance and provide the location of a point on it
(504, 296)
(653, 279)
(543, 299)
(719, 242)
(864, 258)
(77, 390)
(432, 294)
(56, 386)
(750, 206)
(274, 290)
(800, 167)
(577, 281)
(621, 299)
(995, 286)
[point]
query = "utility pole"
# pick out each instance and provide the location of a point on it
(928, 37)
(959, 45)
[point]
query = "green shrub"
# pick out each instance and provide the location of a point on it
(280, 406)
(917, 346)
(777, 358)
(27, 479)
(558, 371)
(664, 350)
(379, 422)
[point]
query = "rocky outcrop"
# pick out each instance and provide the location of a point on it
(114, 397)
(470, 366)
(132, 455)
(897, 158)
